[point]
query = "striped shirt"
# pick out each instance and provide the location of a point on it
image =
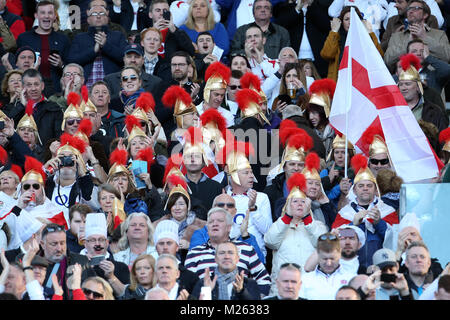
(203, 256)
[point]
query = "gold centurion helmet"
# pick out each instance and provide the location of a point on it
(296, 185)
(193, 143)
(362, 171)
(373, 140)
(217, 76)
(312, 167)
(134, 128)
(249, 103)
(235, 155)
(180, 101)
(251, 81)
(33, 171)
(173, 165)
(339, 143)
(73, 110)
(321, 93)
(145, 103)
(213, 128)
(179, 187)
(118, 161)
(27, 121)
(86, 104)
(410, 64)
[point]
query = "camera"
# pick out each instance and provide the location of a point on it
(386, 277)
(2, 125)
(66, 161)
(187, 87)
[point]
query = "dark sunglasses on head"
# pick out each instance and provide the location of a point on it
(296, 266)
(223, 204)
(233, 87)
(36, 186)
(96, 295)
(382, 161)
(72, 121)
(51, 229)
(328, 236)
(126, 78)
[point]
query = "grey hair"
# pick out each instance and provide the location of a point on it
(286, 48)
(168, 256)
(155, 289)
(123, 241)
(228, 216)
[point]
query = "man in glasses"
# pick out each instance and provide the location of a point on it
(234, 85)
(417, 28)
(325, 280)
(72, 80)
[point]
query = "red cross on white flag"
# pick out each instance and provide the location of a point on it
(366, 93)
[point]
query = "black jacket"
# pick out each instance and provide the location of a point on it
(318, 147)
(17, 149)
(126, 16)
(275, 192)
(432, 113)
(113, 124)
(205, 191)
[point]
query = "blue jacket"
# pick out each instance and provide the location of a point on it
(82, 50)
(201, 236)
(374, 242)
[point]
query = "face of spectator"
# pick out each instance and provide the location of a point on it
(144, 272)
(291, 75)
(255, 37)
(120, 182)
(137, 228)
(96, 245)
(27, 134)
(179, 210)
(166, 245)
(216, 98)
(71, 125)
(239, 63)
(375, 165)
(25, 60)
(106, 200)
(288, 283)
(346, 294)
(68, 173)
(339, 157)
(14, 83)
(418, 261)
(97, 16)
(40, 197)
(401, 6)
(136, 145)
(45, 16)
(54, 246)
(78, 220)
(130, 81)
(134, 60)
(179, 67)
(15, 281)
(308, 70)
(293, 166)
(199, 9)
(417, 48)
(151, 42)
(233, 86)
(313, 189)
(33, 88)
(329, 261)
(7, 181)
(100, 95)
(297, 207)
(349, 244)
(93, 290)
(218, 229)
(72, 73)
(39, 273)
(92, 116)
(388, 270)
(226, 257)
(415, 13)
(410, 234)
(314, 117)
(246, 178)
(226, 202)
(190, 120)
(262, 10)
(287, 55)
(157, 11)
(365, 191)
(193, 162)
(205, 44)
(346, 21)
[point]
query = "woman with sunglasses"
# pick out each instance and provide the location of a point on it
(131, 88)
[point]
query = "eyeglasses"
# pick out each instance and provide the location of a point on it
(126, 78)
(233, 87)
(96, 14)
(377, 161)
(72, 122)
(223, 204)
(96, 295)
(178, 65)
(71, 74)
(36, 186)
(290, 264)
(327, 236)
(415, 8)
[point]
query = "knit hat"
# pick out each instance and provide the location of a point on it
(27, 225)
(166, 229)
(95, 224)
(25, 48)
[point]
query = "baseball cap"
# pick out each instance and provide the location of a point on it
(384, 257)
(134, 47)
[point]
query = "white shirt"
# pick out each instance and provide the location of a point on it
(173, 293)
(317, 285)
(244, 13)
(224, 112)
(350, 266)
(265, 69)
(305, 51)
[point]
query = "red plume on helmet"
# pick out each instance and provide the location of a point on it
(444, 135)
(84, 93)
(118, 156)
(175, 180)
(312, 161)
(301, 140)
(73, 141)
(146, 155)
(249, 80)
(327, 86)
(29, 108)
(174, 93)
(146, 102)
(212, 115)
(408, 60)
(218, 68)
(245, 97)
(34, 164)
(73, 98)
(193, 135)
(297, 180)
(132, 121)
(288, 128)
(17, 170)
(237, 146)
(358, 162)
(370, 133)
(175, 160)
(85, 127)
(3, 156)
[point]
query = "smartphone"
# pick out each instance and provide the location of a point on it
(187, 87)
(95, 261)
(166, 15)
(54, 51)
(285, 98)
(386, 277)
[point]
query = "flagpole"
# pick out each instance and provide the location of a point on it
(349, 101)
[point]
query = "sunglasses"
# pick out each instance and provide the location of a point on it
(233, 87)
(328, 236)
(36, 186)
(382, 161)
(96, 295)
(223, 204)
(71, 122)
(126, 78)
(290, 264)
(51, 229)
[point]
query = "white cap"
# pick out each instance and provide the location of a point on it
(409, 220)
(166, 229)
(359, 233)
(27, 225)
(95, 224)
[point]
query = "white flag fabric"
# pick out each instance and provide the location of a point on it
(371, 95)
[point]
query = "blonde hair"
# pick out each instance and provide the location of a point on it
(108, 291)
(210, 22)
(133, 278)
